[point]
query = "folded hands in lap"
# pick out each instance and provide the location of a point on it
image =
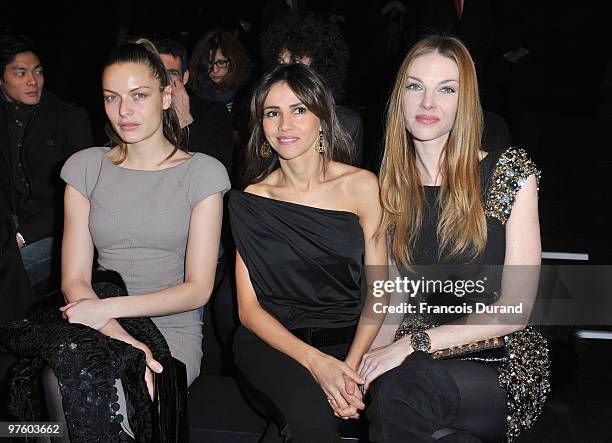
(339, 383)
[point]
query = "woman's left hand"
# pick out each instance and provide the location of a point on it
(90, 312)
(353, 396)
(380, 360)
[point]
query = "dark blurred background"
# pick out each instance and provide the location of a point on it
(557, 101)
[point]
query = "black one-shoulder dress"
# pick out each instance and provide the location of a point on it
(306, 266)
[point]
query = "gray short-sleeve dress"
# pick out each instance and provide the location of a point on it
(139, 224)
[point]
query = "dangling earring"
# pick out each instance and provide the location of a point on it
(320, 147)
(265, 150)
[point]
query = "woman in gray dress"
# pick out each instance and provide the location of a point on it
(151, 210)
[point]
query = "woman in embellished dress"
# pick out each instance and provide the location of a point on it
(303, 229)
(448, 202)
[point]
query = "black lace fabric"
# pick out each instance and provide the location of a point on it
(86, 364)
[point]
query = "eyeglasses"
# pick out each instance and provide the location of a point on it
(222, 63)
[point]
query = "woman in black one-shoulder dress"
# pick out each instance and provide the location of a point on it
(303, 229)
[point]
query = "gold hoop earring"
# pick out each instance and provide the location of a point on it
(320, 147)
(265, 150)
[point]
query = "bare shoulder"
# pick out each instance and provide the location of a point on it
(365, 182)
(356, 181)
(359, 186)
(254, 189)
(264, 188)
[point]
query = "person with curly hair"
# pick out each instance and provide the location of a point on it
(319, 44)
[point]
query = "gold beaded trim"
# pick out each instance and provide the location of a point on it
(511, 172)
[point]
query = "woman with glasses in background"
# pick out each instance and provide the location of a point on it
(219, 67)
(220, 70)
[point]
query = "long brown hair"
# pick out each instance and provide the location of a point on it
(317, 97)
(143, 51)
(462, 227)
(239, 66)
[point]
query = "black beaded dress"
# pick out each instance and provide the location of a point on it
(525, 375)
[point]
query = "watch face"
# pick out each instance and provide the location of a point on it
(421, 341)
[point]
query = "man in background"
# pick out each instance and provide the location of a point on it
(38, 132)
(207, 126)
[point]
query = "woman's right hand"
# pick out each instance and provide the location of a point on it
(378, 361)
(332, 374)
(114, 330)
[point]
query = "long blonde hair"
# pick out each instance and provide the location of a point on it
(462, 227)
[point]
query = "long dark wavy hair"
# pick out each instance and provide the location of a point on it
(143, 51)
(318, 99)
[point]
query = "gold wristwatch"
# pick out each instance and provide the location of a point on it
(420, 341)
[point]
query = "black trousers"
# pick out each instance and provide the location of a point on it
(281, 389)
(420, 397)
